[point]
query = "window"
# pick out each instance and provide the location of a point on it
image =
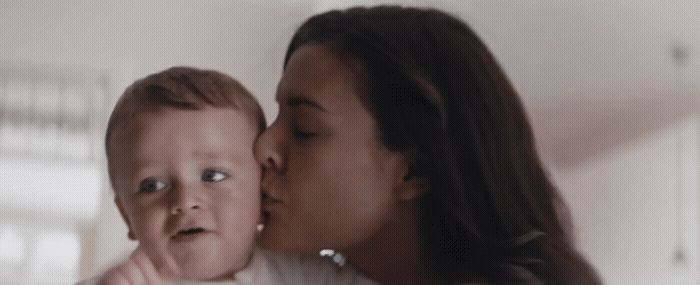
(51, 172)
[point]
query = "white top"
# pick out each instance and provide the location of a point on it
(268, 267)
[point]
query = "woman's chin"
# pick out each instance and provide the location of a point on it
(272, 234)
(272, 239)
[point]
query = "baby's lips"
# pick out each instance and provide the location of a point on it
(189, 230)
(184, 224)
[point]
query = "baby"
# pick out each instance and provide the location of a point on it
(180, 159)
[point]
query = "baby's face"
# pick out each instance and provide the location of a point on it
(188, 187)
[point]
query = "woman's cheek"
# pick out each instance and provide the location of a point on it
(359, 209)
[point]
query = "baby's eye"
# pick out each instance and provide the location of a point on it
(213, 175)
(152, 185)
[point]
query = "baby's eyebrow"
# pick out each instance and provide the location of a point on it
(229, 156)
(140, 164)
(209, 155)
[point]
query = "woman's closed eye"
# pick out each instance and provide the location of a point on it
(302, 135)
(214, 175)
(150, 185)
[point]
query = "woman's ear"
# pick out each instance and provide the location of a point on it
(125, 217)
(413, 186)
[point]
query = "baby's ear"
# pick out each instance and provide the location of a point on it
(125, 217)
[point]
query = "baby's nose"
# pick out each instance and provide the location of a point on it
(186, 200)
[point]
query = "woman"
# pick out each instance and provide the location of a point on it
(401, 144)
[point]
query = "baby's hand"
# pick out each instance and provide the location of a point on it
(139, 269)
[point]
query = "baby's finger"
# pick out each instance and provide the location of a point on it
(165, 264)
(113, 277)
(133, 273)
(150, 274)
(168, 269)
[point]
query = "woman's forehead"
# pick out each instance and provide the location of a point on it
(316, 78)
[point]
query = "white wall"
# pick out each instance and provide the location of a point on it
(628, 204)
(129, 39)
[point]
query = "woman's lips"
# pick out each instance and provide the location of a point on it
(269, 202)
(265, 216)
(267, 207)
(267, 198)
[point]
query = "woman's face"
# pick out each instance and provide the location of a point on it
(328, 182)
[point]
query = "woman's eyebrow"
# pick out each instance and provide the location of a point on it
(299, 101)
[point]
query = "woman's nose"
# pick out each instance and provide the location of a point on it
(268, 151)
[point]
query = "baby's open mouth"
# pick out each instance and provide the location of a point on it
(189, 232)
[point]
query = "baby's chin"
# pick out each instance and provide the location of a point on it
(210, 267)
(207, 271)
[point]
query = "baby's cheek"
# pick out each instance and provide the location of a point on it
(240, 194)
(242, 210)
(150, 222)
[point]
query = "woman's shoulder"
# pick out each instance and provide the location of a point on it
(532, 271)
(517, 273)
(310, 269)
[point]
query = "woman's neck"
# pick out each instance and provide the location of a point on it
(394, 254)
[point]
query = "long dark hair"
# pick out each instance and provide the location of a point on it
(439, 95)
